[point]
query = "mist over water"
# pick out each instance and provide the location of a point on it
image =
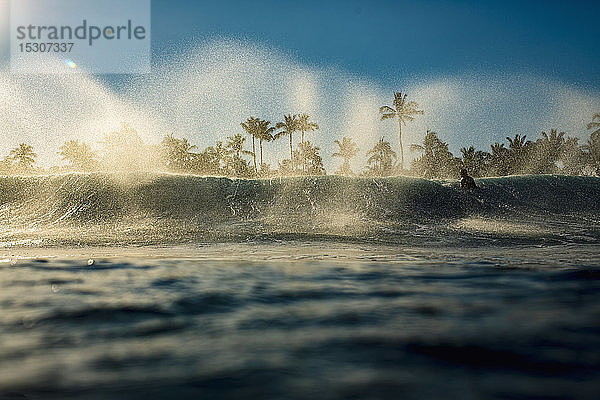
(102, 209)
(203, 92)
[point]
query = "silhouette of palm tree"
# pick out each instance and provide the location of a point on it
(217, 155)
(555, 139)
(186, 148)
(288, 127)
(592, 148)
(517, 143)
(177, 153)
(235, 145)
(595, 124)
(250, 126)
(23, 156)
(220, 151)
(264, 132)
(311, 158)
(552, 144)
(473, 160)
(305, 126)
(79, 154)
(346, 150)
(436, 161)
(404, 111)
(236, 165)
(499, 161)
(516, 152)
(382, 158)
(205, 162)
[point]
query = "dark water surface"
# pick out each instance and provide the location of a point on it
(301, 320)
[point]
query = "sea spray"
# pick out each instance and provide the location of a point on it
(148, 208)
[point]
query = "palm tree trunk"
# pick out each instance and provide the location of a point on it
(291, 150)
(254, 155)
(303, 159)
(401, 146)
(261, 159)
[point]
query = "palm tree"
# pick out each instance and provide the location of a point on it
(235, 145)
(288, 127)
(250, 126)
(211, 159)
(473, 160)
(23, 156)
(264, 132)
(592, 148)
(168, 148)
(436, 161)
(346, 150)
(311, 157)
(595, 125)
(554, 140)
(79, 154)
(517, 143)
(236, 164)
(186, 152)
(177, 153)
(382, 158)
(205, 162)
(572, 157)
(550, 147)
(517, 148)
(404, 111)
(305, 126)
(499, 159)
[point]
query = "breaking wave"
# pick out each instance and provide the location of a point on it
(153, 208)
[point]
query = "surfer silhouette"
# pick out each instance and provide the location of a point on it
(466, 182)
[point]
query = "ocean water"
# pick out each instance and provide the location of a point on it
(156, 286)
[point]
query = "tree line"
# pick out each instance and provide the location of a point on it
(552, 152)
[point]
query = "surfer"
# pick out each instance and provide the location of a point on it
(466, 182)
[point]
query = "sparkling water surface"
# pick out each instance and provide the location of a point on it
(300, 320)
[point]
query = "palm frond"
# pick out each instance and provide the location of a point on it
(593, 125)
(386, 110)
(280, 134)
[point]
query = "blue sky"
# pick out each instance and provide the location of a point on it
(386, 39)
(480, 70)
